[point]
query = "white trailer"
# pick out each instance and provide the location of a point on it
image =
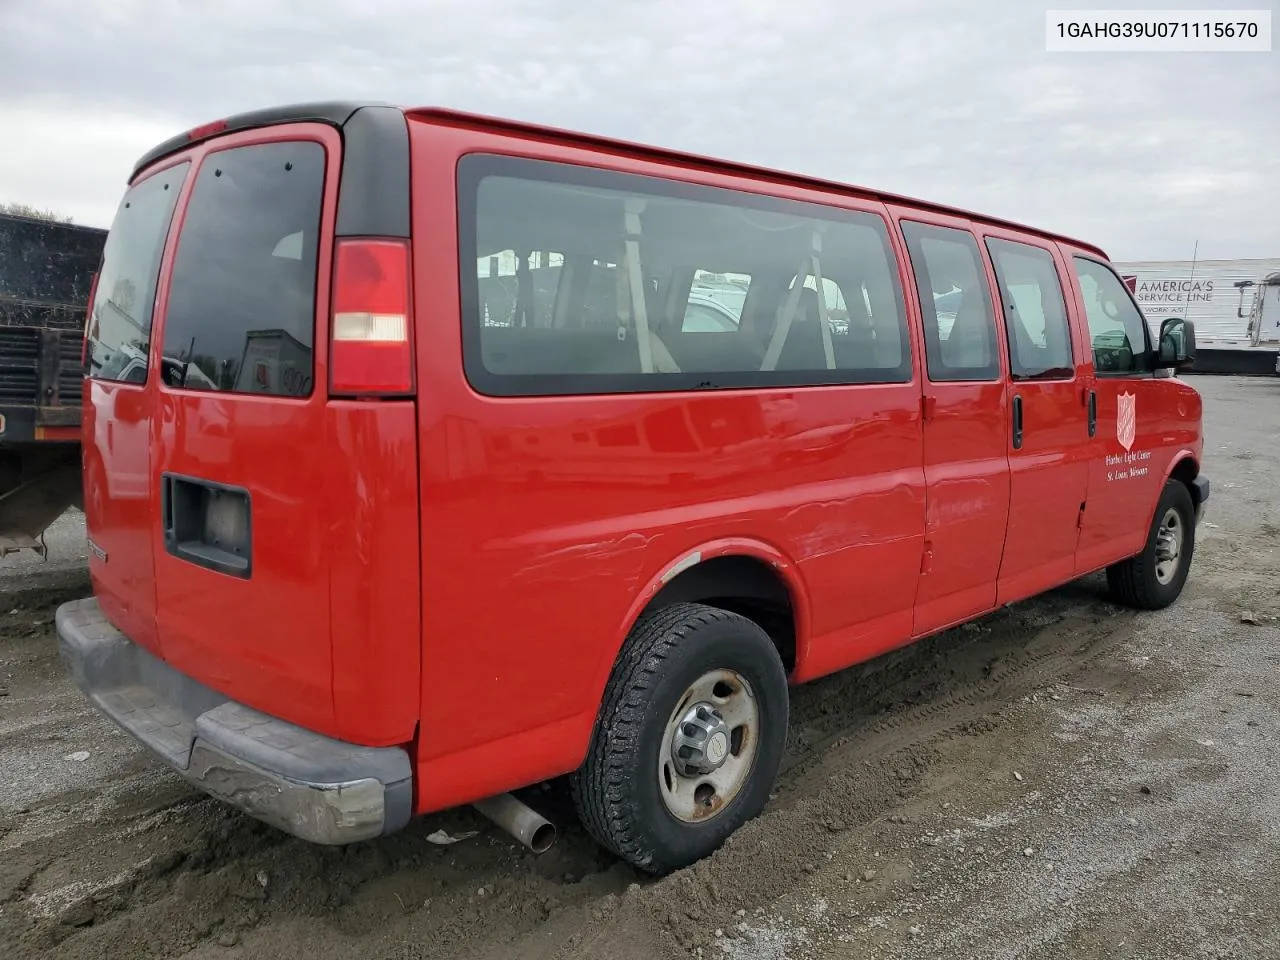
(1235, 305)
(274, 362)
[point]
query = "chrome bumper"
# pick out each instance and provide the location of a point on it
(306, 784)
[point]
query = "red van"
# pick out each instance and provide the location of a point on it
(468, 454)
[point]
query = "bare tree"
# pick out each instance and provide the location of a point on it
(26, 210)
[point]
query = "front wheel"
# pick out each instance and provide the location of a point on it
(689, 738)
(1154, 578)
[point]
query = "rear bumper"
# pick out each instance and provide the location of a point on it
(309, 785)
(1200, 495)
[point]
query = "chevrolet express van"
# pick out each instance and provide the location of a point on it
(443, 494)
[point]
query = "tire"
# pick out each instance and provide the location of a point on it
(1139, 582)
(623, 791)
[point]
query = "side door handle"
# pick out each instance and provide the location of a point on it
(1017, 423)
(1093, 412)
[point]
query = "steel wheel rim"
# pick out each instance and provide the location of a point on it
(1169, 542)
(696, 796)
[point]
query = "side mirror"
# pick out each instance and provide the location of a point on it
(1177, 343)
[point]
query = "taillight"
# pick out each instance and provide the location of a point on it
(88, 322)
(370, 348)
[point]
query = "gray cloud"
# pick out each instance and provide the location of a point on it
(956, 102)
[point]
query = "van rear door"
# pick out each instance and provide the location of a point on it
(240, 566)
(270, 494)
(117, 402)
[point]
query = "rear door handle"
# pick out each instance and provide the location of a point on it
(1093, 412)
(1017, 423)
(208, 524)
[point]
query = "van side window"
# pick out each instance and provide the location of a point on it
(1116, 326)
(955, 303)
(715, 302)
(518, 291)
(1035, 311)
(659, 285)
(242, 297)
(119, 331)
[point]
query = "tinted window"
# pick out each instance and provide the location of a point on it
(504, 275)
(726, 293)
(119, 331)
(657, 285)
(708, 317)
(1116, 327)
(1035, 313)
(716, 301)
(241, 314)
(955, 303)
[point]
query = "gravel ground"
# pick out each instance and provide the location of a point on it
(1062, 779)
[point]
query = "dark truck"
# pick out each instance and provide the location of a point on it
(46, 271)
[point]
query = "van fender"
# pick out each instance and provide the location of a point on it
(1186, 453)
(1183, 455)
(778, 561)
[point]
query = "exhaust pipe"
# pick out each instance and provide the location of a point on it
(523, 822)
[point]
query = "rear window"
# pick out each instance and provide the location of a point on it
(589, 281)
(119, 331)
(241, 313)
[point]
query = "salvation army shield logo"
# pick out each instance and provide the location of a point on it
(1126, 420)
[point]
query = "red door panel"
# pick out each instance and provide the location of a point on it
(1048, 435)
(119, 402)
(1049, 477)
(966, 458)
(117, 473)
(239, 436)
(967, 477)
(1141, 418)
(274, 652)
(569, 508)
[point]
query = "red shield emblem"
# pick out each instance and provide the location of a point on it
(262, 373)
(1126, 420)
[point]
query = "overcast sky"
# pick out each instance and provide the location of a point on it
(953, 101)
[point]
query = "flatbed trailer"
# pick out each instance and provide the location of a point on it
(46, 272)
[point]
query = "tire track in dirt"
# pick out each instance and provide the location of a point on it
(1075, 635)
(868, 763)
(174, 870)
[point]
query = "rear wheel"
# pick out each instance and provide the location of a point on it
(1154, 578)
(689, 738)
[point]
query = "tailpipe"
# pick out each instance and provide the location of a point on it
(523, 822)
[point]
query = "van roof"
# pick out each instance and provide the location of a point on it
(338, 112)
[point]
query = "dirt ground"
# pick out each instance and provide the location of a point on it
(1062, 779)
